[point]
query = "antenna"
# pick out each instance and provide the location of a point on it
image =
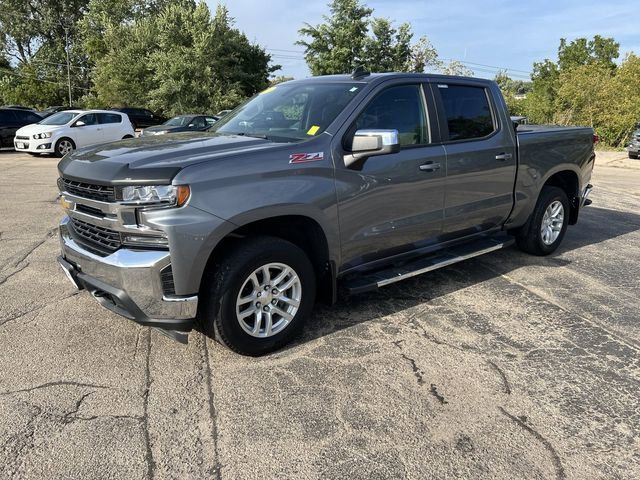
(359, 72)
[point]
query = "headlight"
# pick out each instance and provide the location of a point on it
(42, 135)
(156, 195)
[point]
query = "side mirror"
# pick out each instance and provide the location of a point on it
(370, 143)
(79, 123)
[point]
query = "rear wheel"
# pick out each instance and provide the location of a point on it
(64, 146)
(548, 223)
(633, 155)
(258, 297)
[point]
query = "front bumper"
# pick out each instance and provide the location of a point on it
(44, 145)
(127, 282)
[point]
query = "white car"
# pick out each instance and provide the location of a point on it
(65, 131)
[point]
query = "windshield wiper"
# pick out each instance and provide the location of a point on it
(253, 135)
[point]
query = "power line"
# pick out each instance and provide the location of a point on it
(17, 74)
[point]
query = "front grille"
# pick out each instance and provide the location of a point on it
(104, 240)
(87, 190)
(96, 212)
(166, 276)
(21, 137)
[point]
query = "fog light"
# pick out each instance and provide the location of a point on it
(145, 240)
(44, 146)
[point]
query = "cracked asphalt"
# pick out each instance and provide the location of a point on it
(505, 366)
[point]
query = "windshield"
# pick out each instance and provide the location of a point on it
(289, 112)
(60, 118)
(180, 121)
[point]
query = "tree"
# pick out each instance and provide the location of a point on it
(350, 36)
(454, 67)
(513, 91)
(179, 59)
(337, 45)
(599, 50)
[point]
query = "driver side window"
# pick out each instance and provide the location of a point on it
(398, 108)
(89, 119)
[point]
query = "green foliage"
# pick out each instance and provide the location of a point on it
(350, 36)
(33, 38)
(337, 45)
(169, 55)
(586, 87)
(179, 60)
(598, 51)
(513, 92)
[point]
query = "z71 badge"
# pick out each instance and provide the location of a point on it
(305, 157)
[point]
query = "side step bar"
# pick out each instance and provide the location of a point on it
(380, 278)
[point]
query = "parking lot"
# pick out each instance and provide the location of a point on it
(505, 366)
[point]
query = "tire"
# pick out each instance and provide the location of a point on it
(535, 239)
(633, 156)
(61, 147)
(229, 281)
(127, 136)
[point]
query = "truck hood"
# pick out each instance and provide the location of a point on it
(155, 159)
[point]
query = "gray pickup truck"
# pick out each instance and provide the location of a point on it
(313, 186)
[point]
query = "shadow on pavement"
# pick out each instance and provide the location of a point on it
(595, 225)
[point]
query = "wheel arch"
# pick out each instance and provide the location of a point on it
(302, 230)
(568, 180)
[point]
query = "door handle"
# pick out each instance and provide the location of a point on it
(501, 157)
(430, 167)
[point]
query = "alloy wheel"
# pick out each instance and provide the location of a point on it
(552, 222)
(268, 300)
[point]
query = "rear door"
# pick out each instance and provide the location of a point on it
(393, 203)
(111, 124)
(481, 158)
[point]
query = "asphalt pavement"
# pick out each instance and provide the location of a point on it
(505, 366)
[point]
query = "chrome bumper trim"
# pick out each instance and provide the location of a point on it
(131, 274)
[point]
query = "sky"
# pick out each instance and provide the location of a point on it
(502, 34)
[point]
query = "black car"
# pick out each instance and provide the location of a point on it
(11, 119)
(182, 123)
(141, 117)
(55, 109)
(634, 144)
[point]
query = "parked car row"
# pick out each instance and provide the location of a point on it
(65, 131)
(58, 129)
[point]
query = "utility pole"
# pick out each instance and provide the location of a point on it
(66, 49)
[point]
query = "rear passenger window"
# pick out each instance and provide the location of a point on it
(467, 111)
(397, 108)
(109, 118)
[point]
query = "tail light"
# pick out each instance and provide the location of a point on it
(596, 138)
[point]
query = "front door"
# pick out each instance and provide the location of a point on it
(392, 203)
(91, 132)
(481, 159)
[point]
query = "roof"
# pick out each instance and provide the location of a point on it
(376, 77)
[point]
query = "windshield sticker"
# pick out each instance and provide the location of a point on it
(313, 130)
(306, 157)
(268, 90)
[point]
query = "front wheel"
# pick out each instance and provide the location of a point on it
(257, 298)
(64, 146)
(633, 156)
(548, 223)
